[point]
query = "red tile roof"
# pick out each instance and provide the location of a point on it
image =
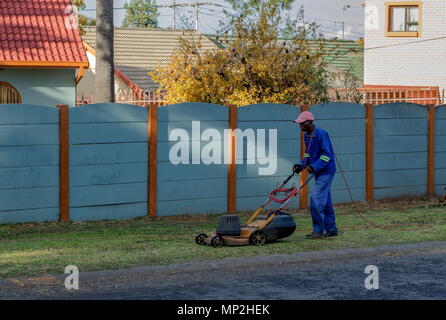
(38, 33)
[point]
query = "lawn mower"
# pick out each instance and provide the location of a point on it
(275, 225)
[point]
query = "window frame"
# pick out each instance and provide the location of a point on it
(14, 89)
(389, 6)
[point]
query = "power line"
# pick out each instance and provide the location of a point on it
(361, 33)
(174, 6)
(212, 10)
(347, 22)
(202, 27)
(212, 14)
(208, 27)
(190, 13)
(336, 29)
(226, 5)
(330, 34)
(164, 6)
(405, 43)
(197, 5)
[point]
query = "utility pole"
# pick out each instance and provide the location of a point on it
(174, 6)
(344, 8)
(196, 15)
(104, 81)
(197, 5)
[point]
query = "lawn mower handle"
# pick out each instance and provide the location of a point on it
(292, 175)
(306, 182)
(293, 192)
(287, 179)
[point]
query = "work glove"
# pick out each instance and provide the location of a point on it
(310, 169)
(298, 168)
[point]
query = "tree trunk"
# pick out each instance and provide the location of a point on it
(105, 71)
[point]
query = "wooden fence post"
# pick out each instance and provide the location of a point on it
(232, 168)
(303, 204)
(431, 151)
(152, 158)
(64, 165)
(369, 152)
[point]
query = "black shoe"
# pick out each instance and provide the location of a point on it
(315, 235)
(331, 234)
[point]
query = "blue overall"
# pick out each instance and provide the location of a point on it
(320, 157)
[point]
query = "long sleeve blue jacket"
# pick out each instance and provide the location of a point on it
(319, 153)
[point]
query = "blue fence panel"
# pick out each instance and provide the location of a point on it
(108, 161)
(400, 150)
(29, 163)
(345, 123)
(192, 169)
(261, 167)
(440, 150)
(109, 157)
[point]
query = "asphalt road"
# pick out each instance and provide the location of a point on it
(414, 271)
(418, 276)
(407, 274)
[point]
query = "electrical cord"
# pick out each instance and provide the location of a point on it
(390, 227)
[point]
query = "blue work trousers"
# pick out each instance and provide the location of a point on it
(321, 206)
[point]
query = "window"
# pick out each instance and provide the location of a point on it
(9, 94)
(403, 19)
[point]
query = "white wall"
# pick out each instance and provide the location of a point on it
(407, 64)
(86, 86)
(92, 60)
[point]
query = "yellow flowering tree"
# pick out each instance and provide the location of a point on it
(271, 58)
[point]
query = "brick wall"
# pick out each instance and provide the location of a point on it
(408, 61)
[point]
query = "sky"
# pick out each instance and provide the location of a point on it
(327, 13)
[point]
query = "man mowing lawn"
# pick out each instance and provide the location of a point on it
(319, 160)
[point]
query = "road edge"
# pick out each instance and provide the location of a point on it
(239, 263)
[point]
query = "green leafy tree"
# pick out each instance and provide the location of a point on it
(259, 65)
(141, 14)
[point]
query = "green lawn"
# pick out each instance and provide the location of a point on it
(38, 249)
